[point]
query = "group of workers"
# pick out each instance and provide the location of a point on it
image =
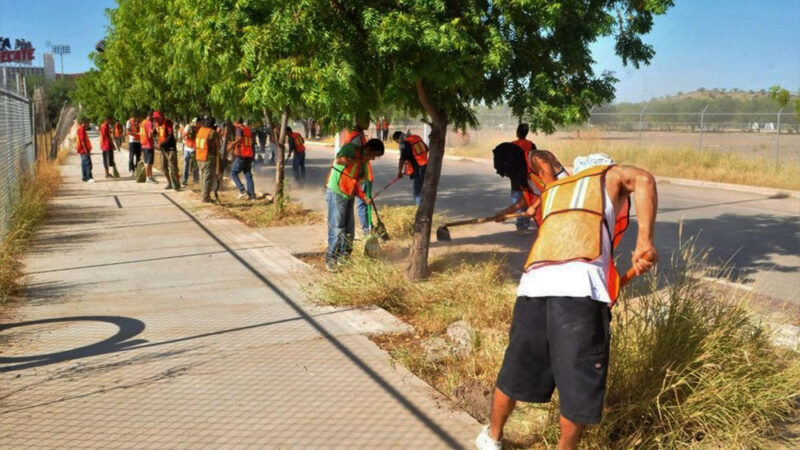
(559, 336)
(202, 155)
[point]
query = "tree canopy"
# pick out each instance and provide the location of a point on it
(343, 60)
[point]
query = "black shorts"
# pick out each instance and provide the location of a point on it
(148, 155)
(559, 342)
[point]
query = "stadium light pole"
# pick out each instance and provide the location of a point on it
(61, 50)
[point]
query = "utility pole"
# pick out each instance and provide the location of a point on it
(778, 139)
(702, 125)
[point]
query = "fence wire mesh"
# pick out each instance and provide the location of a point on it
(772, 136)
(17, 152)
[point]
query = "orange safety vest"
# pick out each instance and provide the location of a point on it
(419, 150)
(162, 130)
(245, 147)
(349, 178)
(203, 146)
(573, 224)
(134, 129)
(349, 137)
(298, 142)
(145, 137)
(117, 130)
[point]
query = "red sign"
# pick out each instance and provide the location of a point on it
(17, 56)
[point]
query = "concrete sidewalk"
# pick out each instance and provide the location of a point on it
(150, 323)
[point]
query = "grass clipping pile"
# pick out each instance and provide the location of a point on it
(688, 365)
(262, 212)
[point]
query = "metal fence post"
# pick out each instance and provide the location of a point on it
(778, 139)
(641, 124)
(702, 126)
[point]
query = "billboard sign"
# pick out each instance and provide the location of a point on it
(23, 52)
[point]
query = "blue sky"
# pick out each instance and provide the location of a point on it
(746, 44)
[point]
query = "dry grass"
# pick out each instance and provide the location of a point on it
(263, 214)
(28, 212)
(689, 366)
(681, 162)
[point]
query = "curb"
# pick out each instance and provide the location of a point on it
(772, 192)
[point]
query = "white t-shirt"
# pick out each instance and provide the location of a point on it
(128, 128)
(576, 278)
(186, 130)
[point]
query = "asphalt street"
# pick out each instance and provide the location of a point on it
(758, 235)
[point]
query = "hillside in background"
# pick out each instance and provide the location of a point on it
(717, 100)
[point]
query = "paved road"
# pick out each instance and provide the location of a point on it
(758, 235)
(150, 323)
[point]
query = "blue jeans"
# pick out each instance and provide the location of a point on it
(243, 165)
(188, 161)
(299, 166)
(363, 209)
(341, 227)
(86, 167)
(522, 222)
(419, 177)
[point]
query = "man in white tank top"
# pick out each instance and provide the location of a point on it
(560, 334)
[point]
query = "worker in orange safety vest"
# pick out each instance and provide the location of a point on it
(565, 294)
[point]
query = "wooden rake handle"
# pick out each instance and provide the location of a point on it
(481, 220)
(631, 273)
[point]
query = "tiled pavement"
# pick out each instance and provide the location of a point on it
(149, 323)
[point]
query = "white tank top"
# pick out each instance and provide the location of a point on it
(575, 278)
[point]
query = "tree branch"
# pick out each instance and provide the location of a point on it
(426, 102)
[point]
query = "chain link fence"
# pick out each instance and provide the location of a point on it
(773, 136)
(17, 152)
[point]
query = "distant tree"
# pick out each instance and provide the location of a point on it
(782, 97)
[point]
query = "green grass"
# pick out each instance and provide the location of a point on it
(28, 212)
(690, 365)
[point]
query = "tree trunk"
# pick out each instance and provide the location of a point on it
(418, 256)
(270, 129)
(280, 179)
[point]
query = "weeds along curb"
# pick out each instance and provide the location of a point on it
(26, 215)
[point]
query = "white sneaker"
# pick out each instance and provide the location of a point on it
(485, 442)
(90, 180)
(241, 195)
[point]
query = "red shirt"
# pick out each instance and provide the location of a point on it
(526, 147)
(105, 137)
(83, 145)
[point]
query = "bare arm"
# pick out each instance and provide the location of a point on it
(623, 181)
(520, 204)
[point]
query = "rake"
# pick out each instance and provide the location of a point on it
(443, 232)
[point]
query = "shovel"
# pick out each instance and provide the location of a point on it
(443, 233)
